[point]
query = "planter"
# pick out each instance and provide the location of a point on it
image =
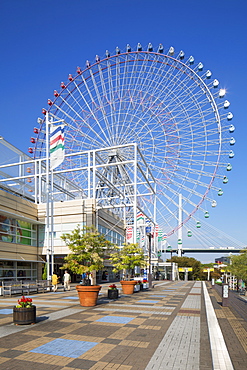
(24, 316)
(113, 293)
(141, 286)
(88, 294)
(128, 286)
(145, 285)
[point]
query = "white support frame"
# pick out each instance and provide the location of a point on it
(125, 196)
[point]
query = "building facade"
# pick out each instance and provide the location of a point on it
(23, 221)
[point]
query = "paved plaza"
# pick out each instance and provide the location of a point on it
(176, 325)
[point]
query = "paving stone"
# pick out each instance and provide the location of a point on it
(174, 320)
(82, 364)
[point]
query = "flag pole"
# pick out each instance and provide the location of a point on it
(47, 198)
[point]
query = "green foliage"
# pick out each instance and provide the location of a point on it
(210, 265)
(238, 266)
(127, 258)
(44, 275)
(197, 272)
(88, 248)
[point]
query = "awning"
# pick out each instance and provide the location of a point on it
(22, 260)
(19, 217)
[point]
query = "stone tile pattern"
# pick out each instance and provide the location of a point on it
(124, 335)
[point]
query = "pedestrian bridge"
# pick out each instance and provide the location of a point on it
(207, 250)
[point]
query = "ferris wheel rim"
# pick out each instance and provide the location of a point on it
(176, 61)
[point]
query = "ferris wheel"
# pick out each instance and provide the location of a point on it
(166, 103)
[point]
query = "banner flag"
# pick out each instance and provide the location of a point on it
(160, 234)
(138, 235)
(56, 146)
(164, 236)
(140, 218)
(156, 230)
(129, 234)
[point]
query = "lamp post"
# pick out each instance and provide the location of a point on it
(149, 235)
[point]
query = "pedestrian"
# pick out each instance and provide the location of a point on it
(66, 280)
(54, 280)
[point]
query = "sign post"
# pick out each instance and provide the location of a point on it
(213, 283)
(225, 295)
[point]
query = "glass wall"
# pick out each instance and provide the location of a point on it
(18, 270)
(111, 235)
(17, 231)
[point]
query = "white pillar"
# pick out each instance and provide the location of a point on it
(47, 197)
(180, 230)
(135, 193)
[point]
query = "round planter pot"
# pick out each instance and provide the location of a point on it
(128, 286)
(113, 293)
(24, 316)
(88, 294)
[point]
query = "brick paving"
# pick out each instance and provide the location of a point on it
(233, 323)
(161, 328)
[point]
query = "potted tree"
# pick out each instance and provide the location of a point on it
(127, 259)
(88, 249)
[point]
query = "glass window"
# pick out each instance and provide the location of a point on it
(17, 231)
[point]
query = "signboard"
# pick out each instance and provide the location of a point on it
(184, 269)
(225, 291)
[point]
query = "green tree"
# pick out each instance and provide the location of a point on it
(127, 258)
(88, 248)
(44, 275)
(197, 272)
(238, 266)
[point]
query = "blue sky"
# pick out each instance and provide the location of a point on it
(43, 41)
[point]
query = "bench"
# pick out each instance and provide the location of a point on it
(44, 285)
(26, 286)
(11, 287)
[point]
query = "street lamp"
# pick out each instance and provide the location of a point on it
(149, 235)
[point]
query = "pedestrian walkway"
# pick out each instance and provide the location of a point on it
(175, 326)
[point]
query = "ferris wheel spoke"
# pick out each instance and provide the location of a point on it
(166, 104)
(100, 102)
(80, 118)
(92, 112)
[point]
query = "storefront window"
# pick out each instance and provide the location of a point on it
(21, 270)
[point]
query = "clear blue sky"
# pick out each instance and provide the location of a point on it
(43, 41)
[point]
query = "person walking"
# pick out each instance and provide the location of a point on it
(54, 281)
(66, 280)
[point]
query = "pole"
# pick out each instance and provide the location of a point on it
(49, 202)
(149, 260)
(180, 220)
(135, 193)
(52, 225)
(47, 198)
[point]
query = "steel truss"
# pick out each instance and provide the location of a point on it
(118, 177)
